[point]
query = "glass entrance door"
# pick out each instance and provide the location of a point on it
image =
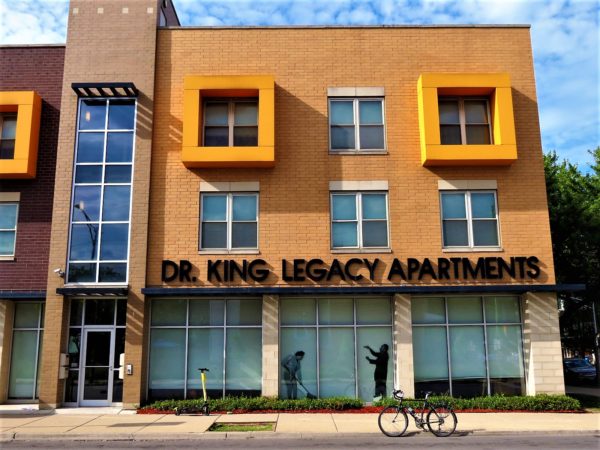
(96, 389)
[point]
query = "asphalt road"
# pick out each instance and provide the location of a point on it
(372, 441)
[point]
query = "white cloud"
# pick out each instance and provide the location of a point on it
(564, 39)
(33, 21)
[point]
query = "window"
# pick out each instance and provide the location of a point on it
(8, 227)
(359, 220)
(356, 124)
(333, 332)
(8, 133)
(229, 123)
(464, 120)
(100, 213)
(469, 346)
(223, 335)
(229, 221)
(27, 336)
(469, 219)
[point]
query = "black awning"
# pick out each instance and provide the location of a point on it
(93, 291)
(358, 290)
(15, 295)
(116, 90)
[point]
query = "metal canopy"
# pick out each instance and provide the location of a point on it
(110, 90)
(93, 291)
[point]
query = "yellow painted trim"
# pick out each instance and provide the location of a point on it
(28, 106)
(194, 155)
(504, 149)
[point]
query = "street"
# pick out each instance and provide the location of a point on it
(346, 441)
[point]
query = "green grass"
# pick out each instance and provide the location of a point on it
(225, 427)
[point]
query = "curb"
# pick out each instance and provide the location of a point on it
(14, 436)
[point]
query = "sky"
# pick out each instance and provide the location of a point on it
(565, 39)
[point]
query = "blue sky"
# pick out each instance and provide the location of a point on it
(565, 38)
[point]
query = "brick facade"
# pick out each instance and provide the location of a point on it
(294, 217)
(38, 68)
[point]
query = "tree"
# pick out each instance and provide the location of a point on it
(574, 207)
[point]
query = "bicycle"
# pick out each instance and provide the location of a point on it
(440, 419)
(204, 408)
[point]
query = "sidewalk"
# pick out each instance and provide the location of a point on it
(143, 427)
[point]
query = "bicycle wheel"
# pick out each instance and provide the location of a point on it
(392, 421)
(441, 420)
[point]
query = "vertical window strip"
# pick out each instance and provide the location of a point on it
(34, 330)
(94, 174)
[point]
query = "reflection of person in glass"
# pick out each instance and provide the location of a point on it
(381, 366)
(292, 373)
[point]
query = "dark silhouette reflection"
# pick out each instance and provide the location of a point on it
(292, 373)
(381, 366)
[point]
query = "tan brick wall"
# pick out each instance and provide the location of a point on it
(541, 344)
(103, 44)
(294, 198)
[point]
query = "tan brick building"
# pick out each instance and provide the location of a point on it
(356, 208)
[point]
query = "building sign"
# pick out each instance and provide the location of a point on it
(357, 269)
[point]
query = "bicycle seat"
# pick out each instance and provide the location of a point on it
(398, 394)
(204, 369)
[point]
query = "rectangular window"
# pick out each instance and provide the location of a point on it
(231, 123)
(464, 120)
(222, 335)
(468, 346)
(8, 134)
(8, 227)
(333, 333)
(359, 220)
(229, 221)
(28, 331)
(356, 124)
(469, 219)
(102, 185)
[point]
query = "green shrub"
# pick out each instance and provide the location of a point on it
(261, 404)
(541, 402)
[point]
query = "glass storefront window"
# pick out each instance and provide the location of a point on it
(224, 336)
(484, 358)
(26, 350)
(333, 334)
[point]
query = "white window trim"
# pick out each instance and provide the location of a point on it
(463, 120)
(355, 110)
(229, 221)
(359, 219)
(471, 247)
(230, 117)
(16, 202)
(102, 184)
